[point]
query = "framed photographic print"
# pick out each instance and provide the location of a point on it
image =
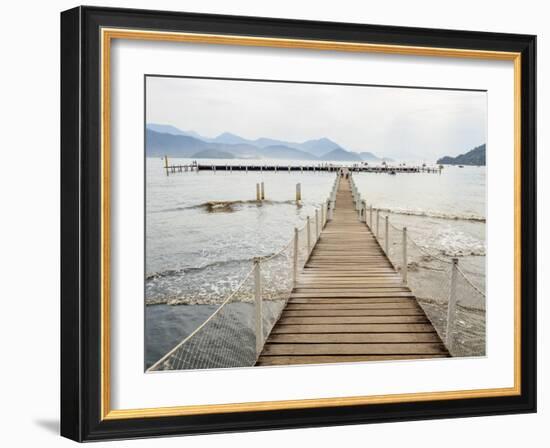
(273, 223)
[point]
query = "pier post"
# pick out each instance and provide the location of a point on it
(377, 223)
(451, 308)
(387, 234)
(364, 211)
(298, 192)
(258, 307)
(322, 216)
(330, 210)
(166, 165)
(295, 257)
(404, 267)
(316, 224)
(308, 236)
(263, 191)
(370, 217)
(258, 194)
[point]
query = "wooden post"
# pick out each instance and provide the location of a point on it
(263, 191)
(330, 210)
(316, 224)
(387, 234)
(377, 223)
(364, 211)
(298, 192)
(370, 217)
(404, 267)
(166, 165)
(258, 194)
(451, 308)
(322, 216)
(308, 236)
(258, 307)
(295, 256)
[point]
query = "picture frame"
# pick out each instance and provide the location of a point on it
(86, 37)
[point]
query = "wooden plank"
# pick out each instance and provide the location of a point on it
(352, 320)
(355, 349)
(355, 328)
(318, 338)
(353, 312)
(289, 360)
(354, 306)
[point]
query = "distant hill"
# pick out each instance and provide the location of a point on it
(213, 154)
(161, 144)
(370, 157)
(230, 139)
(474, 157)
(169, 129)
(169, 140)
(319, 147)
(284, 152)
(341, 155)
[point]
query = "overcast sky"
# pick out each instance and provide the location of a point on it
(407, 124)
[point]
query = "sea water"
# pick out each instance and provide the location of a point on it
(203, 230)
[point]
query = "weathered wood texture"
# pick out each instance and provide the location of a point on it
(349, 303)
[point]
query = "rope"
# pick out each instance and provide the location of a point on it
(161, 360)
(470, 282)
(269, 257)
(425, 252)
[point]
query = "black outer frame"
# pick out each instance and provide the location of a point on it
(80, 223)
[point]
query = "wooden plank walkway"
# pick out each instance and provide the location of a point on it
(349, 303)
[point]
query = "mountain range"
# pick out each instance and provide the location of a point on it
(162, 139)
(475, 156)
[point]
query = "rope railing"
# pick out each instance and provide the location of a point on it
(235, 333)
(442, 287)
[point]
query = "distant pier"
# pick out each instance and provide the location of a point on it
(320, 167)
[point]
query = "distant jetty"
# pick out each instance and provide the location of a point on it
(322, 167)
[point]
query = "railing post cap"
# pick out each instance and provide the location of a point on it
(454, 260)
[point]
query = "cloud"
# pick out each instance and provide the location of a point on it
(403, 123)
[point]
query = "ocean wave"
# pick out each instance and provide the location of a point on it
(193, 269)
(433, 214)
(227, 206)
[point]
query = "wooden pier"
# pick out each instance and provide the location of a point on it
(321, 167)
(349, 303)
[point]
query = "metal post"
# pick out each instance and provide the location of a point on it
(308, 236)
(258, 194)
(298, 192)
(295, 267)
(404, 268)
(451, 308)
(316, 224)
(387, 233)
(263, 191)
(258, 306)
